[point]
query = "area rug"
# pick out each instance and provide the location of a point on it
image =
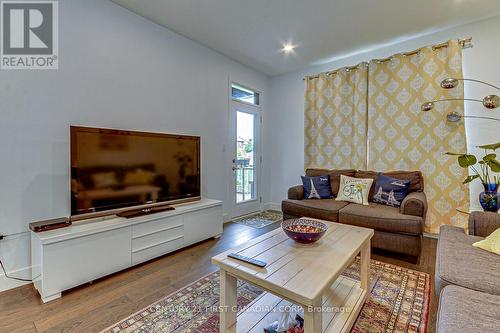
(261, 219)
(399, 302)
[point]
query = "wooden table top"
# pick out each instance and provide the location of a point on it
(297, 272)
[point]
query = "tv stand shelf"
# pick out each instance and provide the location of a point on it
(91, 249)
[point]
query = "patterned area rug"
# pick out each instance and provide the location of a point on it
(261, 219)
(399, 302)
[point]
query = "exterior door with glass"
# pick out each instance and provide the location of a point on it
(246, 161)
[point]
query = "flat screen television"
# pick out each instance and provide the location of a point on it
(113, 170)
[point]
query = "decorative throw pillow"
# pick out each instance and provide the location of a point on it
(354, 189)
(490, 243)
(138, 177)
(390, 191)
(317, 187)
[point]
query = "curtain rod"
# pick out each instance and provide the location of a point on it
(464, 43)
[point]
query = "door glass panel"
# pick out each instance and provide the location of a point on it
(245, 157)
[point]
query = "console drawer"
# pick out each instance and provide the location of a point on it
(152, 239)
(157, 250)
(157, 225)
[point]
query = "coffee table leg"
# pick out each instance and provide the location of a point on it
(365, 266)
(228, 301)
(313, 320)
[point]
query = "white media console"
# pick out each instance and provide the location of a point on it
(67, 257)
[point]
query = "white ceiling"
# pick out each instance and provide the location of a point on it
(252, 32)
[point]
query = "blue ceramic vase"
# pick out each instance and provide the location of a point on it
(489, 199)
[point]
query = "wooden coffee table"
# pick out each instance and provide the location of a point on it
(305, 279)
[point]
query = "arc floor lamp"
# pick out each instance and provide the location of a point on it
(490, 102)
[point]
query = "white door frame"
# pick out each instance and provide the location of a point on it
(254, 205)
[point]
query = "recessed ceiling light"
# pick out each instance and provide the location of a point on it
(287, 48)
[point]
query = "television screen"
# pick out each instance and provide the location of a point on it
(113, 169)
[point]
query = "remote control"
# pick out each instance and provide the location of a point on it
(247, 259)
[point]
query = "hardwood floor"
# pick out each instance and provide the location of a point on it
(93, 307)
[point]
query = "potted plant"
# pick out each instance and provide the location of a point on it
(484, 170)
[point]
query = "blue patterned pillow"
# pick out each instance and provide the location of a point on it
(317, 187)
(390, 191)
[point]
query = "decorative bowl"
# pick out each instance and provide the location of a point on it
(304, 231)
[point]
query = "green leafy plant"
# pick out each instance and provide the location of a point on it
(249, 146)
(487, 165)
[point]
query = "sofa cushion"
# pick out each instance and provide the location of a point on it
(382, 218)
(459, 263)
(415, 177)
(465, 310)
(334, 176)
(324, 209)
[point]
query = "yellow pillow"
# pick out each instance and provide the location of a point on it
(490, 243)
(139, 177)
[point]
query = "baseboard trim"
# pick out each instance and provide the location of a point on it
(272, 206)
(428, 235)
(23, 273)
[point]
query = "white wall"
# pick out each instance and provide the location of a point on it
(287, 102)
(116, 70)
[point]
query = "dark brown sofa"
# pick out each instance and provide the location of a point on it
(396, 229)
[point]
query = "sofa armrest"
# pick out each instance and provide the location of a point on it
(415, 203)
(483, 223)
(296, 192)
